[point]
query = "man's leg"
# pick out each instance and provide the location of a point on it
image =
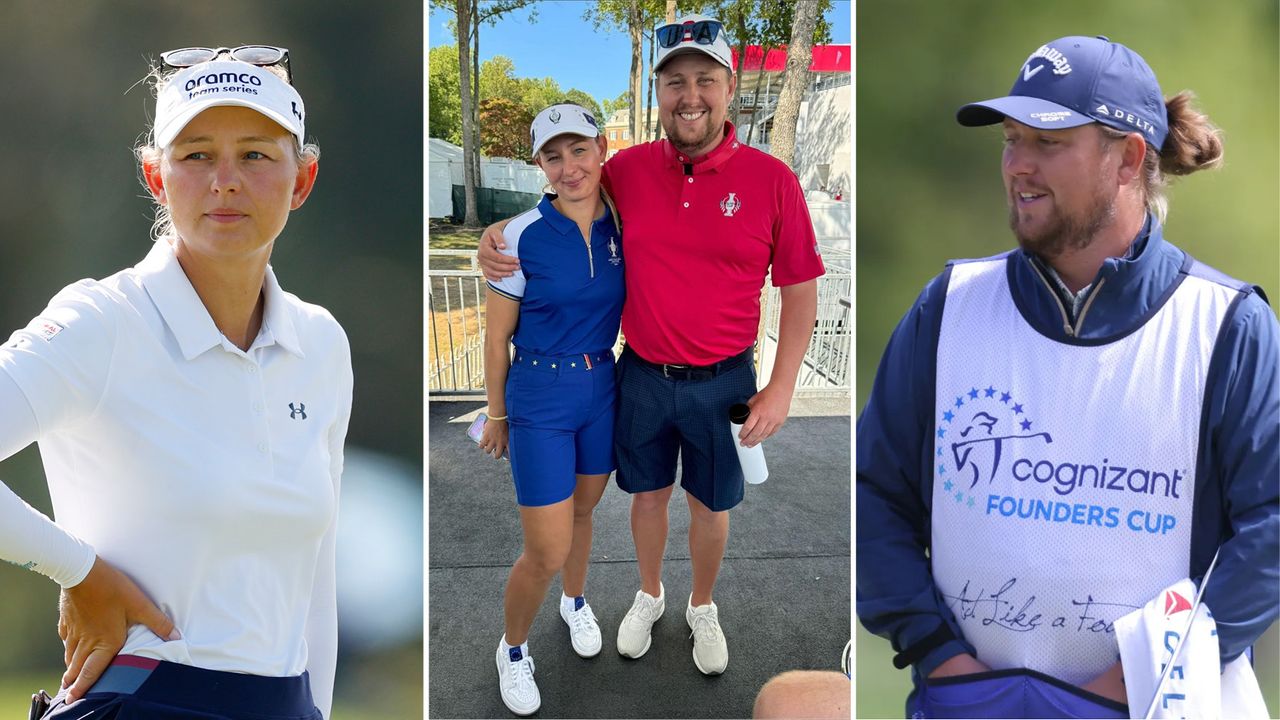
(649, 532)
(708, 535)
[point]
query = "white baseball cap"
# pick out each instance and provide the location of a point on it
(693, 33)
(561, 119)
(193, 90)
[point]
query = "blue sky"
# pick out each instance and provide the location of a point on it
(561, 45)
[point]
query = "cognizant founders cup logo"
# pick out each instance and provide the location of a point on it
(995, 458)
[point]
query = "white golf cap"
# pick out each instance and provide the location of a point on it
(561, 119)
(193, 90)
(700, 34)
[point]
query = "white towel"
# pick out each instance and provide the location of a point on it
(1195, 688)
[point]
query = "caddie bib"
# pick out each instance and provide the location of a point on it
(1064, 473)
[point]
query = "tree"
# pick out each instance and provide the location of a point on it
(799, 58)
(506, 128)
(585, 100)
(445, 120)
(482, 12)
(612, 106)
(634, 16)
(469, 150)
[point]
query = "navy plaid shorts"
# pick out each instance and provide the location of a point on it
(663, 416)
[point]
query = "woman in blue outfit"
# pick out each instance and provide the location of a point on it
(551, 403)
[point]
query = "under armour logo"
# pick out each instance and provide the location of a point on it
(301, 409)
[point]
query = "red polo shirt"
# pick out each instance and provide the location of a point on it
(700, 235)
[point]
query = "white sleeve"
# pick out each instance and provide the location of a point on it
(61, 360)
(27, 537)
(322, 622)
(512, 287)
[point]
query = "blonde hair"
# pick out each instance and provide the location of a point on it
(147, 153)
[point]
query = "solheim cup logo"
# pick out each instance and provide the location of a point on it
(730, 205)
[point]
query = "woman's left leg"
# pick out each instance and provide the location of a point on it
(586, 495)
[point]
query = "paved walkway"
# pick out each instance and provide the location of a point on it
(784, 591)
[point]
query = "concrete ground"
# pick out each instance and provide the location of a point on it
(784, 591)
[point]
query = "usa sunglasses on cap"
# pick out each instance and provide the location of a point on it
(702, 32)
(260, 55)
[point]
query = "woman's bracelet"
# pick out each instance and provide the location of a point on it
(497, 417)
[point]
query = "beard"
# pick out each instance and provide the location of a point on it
(1064, 232)
(692, 141)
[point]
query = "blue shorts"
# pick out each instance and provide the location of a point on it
(663, 414)
(1014, 693)
(135, 688)
(560, 413)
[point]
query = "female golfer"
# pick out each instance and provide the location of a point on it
(191, 417)
(552, 404)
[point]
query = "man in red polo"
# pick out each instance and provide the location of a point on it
(705, 218)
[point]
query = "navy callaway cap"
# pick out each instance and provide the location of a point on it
(1074, 81)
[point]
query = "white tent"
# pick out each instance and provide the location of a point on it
(444, 170)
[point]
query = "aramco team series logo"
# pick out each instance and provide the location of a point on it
(972, 436)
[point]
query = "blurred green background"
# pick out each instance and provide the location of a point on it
(930, 190)
(71, 207)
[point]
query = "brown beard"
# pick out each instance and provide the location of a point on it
(1066, 233)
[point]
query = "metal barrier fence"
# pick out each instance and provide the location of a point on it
(455, 334)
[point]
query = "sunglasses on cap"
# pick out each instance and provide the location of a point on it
(260, 55)
(702, 32)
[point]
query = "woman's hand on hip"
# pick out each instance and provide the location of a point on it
(93, 619)
(493, 439)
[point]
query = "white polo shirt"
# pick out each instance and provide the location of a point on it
(208, 474)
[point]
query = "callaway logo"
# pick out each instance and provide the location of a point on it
(1056, 58)
(1174, 604)
(730, 205)
(298, 412)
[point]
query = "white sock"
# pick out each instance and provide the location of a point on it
(524, 647)
(567, 603)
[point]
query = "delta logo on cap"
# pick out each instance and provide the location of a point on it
(1076, 80)
(193, 90)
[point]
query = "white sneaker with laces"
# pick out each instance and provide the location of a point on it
(634, 634)
(515, 681)
(710, 651)
(584, 631)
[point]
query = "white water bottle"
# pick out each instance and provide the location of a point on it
(751, 459)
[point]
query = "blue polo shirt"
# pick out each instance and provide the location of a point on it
(570, 293)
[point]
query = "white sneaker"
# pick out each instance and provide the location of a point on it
(634, 634)
(515, 680)
(584, 632)
(710, 651)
